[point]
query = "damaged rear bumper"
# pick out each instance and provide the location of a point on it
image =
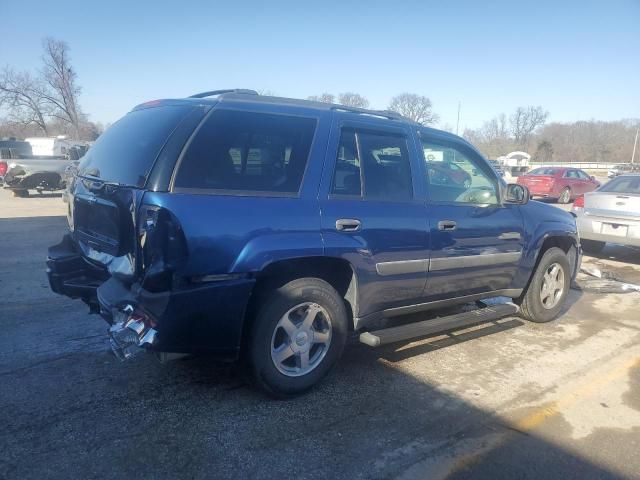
(203, 317)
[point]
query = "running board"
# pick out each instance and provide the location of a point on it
(438, 325)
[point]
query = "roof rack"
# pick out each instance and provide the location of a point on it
(220, 92)
(391, 115)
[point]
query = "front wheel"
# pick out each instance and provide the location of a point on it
(546, 294)
(298, 335)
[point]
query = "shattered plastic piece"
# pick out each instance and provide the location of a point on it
(604, 282)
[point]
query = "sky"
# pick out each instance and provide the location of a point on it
(580, 60)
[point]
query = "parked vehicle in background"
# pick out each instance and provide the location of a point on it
(270, 228)
(610, 214)
(449, 172)
(36, 173)
(622, 169)
(12, 148)
(23, 172)
(50, 146)
(515, 163)
(561, 184)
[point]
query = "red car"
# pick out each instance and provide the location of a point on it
(562, 184)
(445, 173)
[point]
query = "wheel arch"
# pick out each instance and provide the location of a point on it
(568, 242)
(337, 272)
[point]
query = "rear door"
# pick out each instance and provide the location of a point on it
(476, 242)
(574, 182)
(372, 214)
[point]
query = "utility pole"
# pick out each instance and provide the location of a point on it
(633, 155)
(458, 122)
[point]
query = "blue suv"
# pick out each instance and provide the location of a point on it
(231, 224)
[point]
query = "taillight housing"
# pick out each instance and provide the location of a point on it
(161, 245)
(578, 204)
(3, 168)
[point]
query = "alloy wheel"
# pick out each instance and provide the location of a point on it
(301, 339)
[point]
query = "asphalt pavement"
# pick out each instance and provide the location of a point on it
(508, 399)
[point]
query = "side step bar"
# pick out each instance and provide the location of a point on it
(438, 325)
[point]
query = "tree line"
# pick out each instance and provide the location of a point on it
(526, 129)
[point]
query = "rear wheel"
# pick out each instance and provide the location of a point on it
(545, 296)
(565, 195)
(299, 334)
(592, 246)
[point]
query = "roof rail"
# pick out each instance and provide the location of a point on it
(220, 92)
(391, 115)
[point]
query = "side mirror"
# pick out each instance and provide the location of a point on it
(516, 193)
(593, 179)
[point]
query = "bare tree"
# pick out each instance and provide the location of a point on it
(62, 91)
(415, 107)
(23, 97)
(351, 99)
(544, 152)
(324, 98)
(524, 121)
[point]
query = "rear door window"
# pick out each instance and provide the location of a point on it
(247, 152)
(126, 151)
(372, 165)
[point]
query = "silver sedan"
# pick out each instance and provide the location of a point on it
(610, 214)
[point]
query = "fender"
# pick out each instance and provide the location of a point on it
(263, 250)
(534, 244)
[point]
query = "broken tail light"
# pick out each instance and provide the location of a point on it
(162, 246)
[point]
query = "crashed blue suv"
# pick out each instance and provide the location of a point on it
(235, 224)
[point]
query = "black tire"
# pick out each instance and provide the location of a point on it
(565, 195)
(592, 246)
(276, 304)
(21, 193)
(531, 306)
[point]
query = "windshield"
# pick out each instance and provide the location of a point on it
(623, 185)
(126, 152)
(543, 171)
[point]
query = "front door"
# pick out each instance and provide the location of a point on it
(476, 242)
(371, 213)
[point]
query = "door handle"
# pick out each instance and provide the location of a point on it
(447, 225)
(348, 225)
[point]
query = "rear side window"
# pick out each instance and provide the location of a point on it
(380, 159)
(126, 151)
(346, 176)
(247, 152)
(543, 171)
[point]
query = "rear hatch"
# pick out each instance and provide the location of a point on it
(619, 199)
(106, 194)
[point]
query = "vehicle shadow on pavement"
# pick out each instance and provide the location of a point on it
(619, 253)
(36, 195)
(69, 409)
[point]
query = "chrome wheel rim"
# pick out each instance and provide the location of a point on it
(552, 286)
(565, 196)
(301, 339)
